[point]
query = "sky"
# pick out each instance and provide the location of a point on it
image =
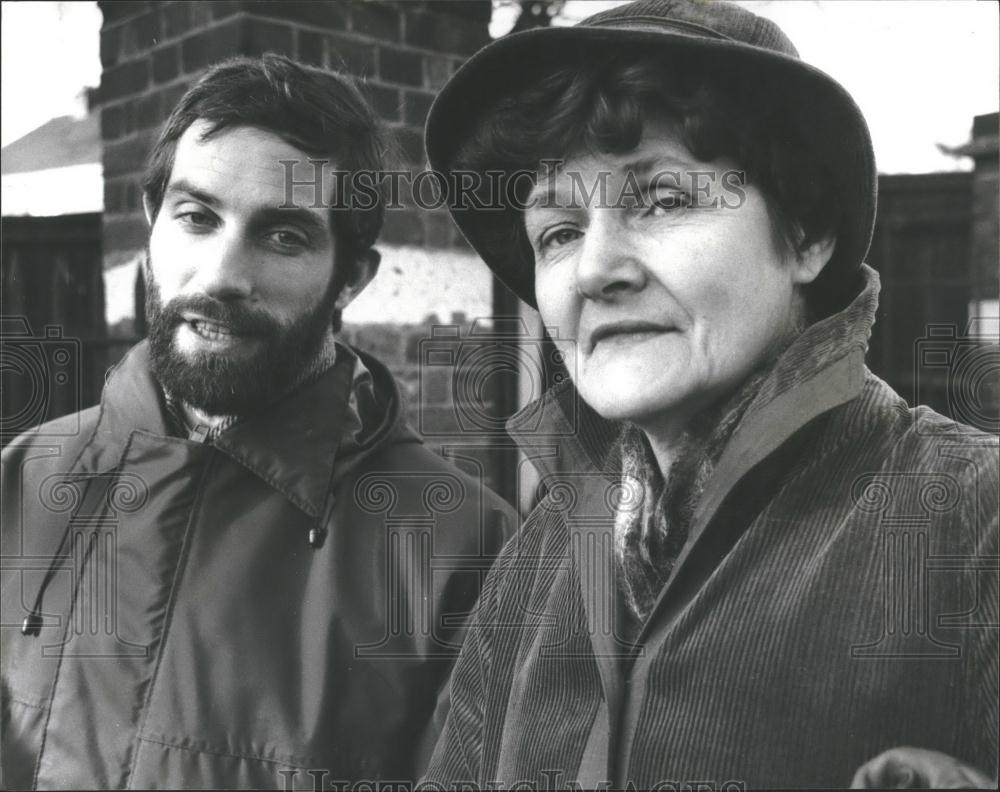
(919, 69)
(49, 52)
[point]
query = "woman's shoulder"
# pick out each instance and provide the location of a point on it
(919, 436)
(941, 466)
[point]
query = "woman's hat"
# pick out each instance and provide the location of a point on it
(697, 32)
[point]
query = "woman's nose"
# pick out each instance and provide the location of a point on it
(610, 263)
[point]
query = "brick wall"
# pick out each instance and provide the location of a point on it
(151, 51)
(453, 375)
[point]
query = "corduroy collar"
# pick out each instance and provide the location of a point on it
(822, 369)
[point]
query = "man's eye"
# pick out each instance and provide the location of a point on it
(558, 237)
(196, 219)
(288, 240)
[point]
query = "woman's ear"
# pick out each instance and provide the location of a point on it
(809, 262)
(365, 269)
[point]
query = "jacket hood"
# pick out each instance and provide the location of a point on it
(821, 369)
(303, 444)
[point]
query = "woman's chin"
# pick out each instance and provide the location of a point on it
(618, 402)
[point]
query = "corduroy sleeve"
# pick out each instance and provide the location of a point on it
(457, 757)
(987, 645)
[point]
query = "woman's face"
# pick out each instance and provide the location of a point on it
(666, 291)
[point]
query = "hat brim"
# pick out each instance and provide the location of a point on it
(825, 114)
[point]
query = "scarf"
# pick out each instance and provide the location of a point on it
(652, 520)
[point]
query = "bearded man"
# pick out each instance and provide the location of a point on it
(223, 580)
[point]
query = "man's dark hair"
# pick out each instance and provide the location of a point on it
(321, 112)
(601, 104)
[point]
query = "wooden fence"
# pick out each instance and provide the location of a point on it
(55, 348)
(925, 341)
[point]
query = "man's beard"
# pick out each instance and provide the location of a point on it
(233, 384)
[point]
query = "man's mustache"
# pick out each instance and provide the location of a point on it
(239, 318)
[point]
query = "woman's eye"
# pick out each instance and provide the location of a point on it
(662, 203)
(558, 237)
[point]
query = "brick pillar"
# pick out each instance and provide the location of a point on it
(151, 51)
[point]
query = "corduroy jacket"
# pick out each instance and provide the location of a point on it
(837, 597)
(272, 606)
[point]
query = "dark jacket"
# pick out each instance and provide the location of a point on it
(837, 597)
(283, 597)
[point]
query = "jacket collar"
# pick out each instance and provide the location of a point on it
(822, 369)
(292, 446)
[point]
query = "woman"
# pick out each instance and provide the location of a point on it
(711, 591)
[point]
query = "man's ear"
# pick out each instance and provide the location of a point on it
(365, 268)
(147, 207)
(809, 262)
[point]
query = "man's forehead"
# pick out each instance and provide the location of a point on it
(256, 160)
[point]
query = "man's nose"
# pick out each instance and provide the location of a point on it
(224, 269)
(610, 262)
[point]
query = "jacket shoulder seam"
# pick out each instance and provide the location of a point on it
(33, 705)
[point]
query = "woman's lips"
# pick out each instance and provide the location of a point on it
(627, 333)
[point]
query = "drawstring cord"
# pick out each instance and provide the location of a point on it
(33, 622)
(318, 533)
(345, 377)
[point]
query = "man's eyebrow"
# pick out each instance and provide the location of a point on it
(187, 188)
(308, 220)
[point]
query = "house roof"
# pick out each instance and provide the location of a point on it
(985, 143)
(57, 143)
